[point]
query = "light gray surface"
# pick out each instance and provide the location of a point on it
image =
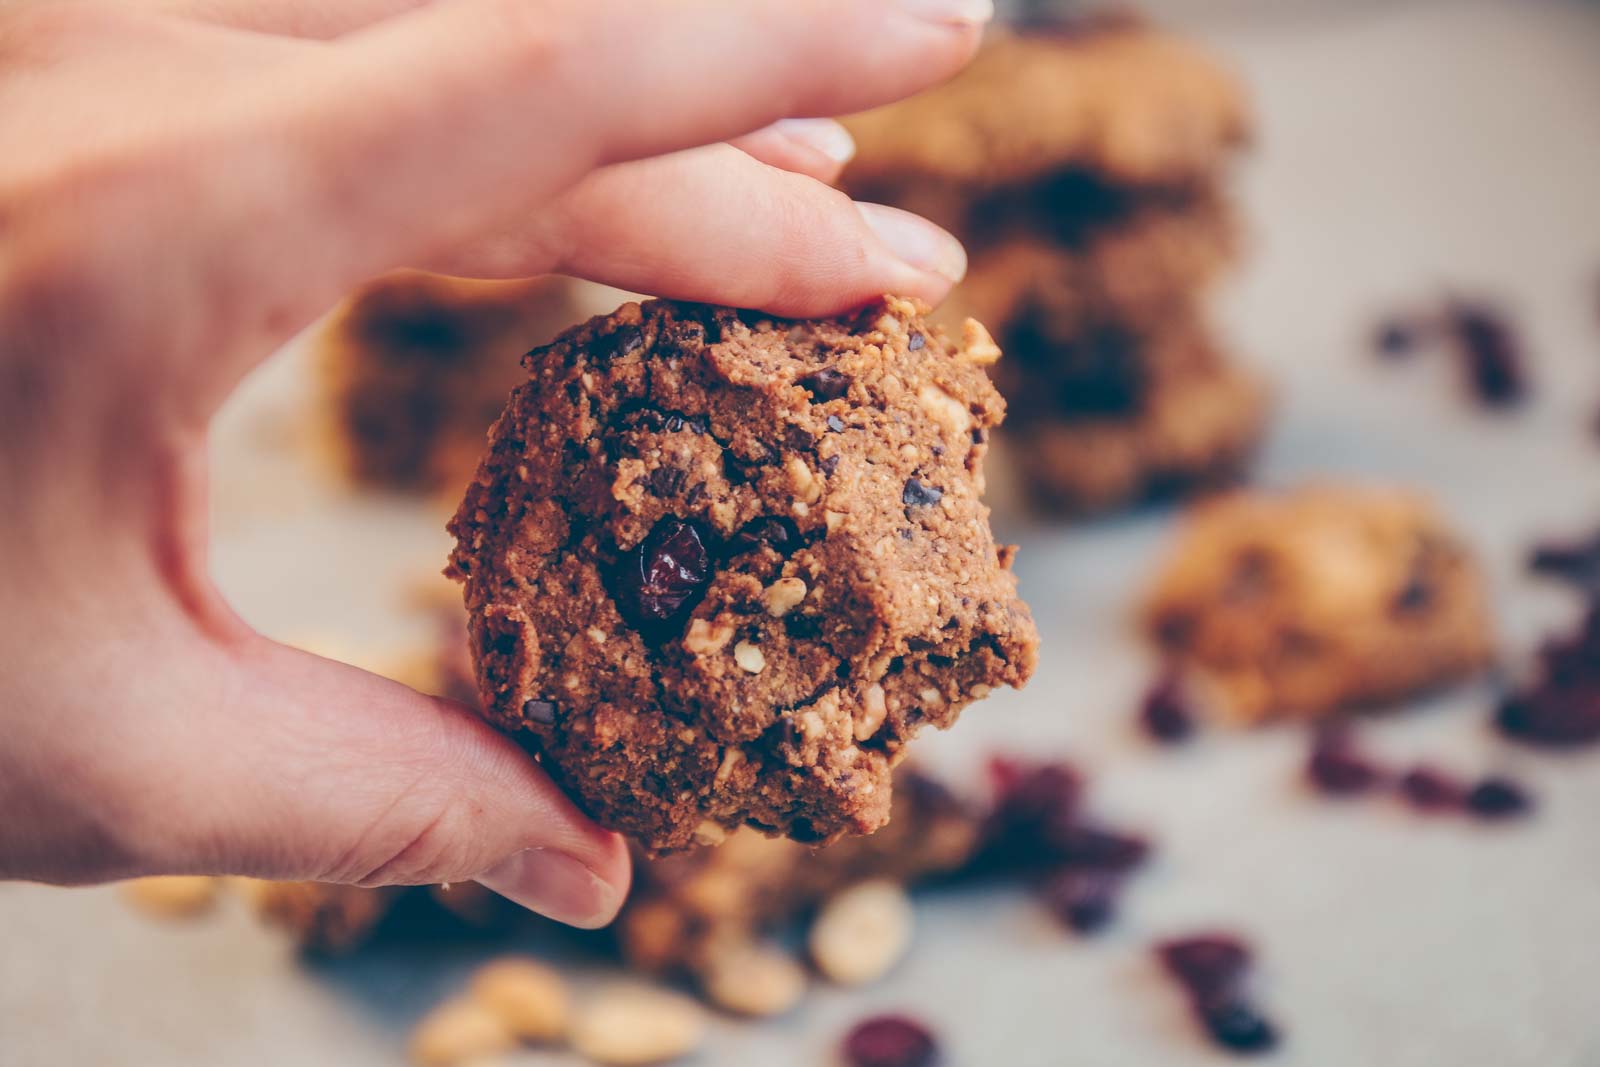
(1405, 148)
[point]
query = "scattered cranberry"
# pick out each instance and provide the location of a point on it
(1561, 708)
(1429, 789)
(890, 1041)
(1085, 900)
(1238, 1027)
(1165, 713)
(770, 531)
(1095, 847)
(1577, 562)
(1210, 966)
(661, 579)
(1498, 798)
(1336, 768)
(1491, 352)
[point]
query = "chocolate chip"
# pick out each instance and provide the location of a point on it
(542, 712)
(916, 342)
(828, 465)
(505, 643)
(658, 582)
(826, 384)
(619, 343)
(890, 1041)
(769, 531)
(920, 495)
(664, 481)
(835, 424)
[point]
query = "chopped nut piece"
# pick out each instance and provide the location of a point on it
(704, 637)
(977, 345)
(629, 1026)
(459, 1030)
(862, 932)
(873, 709)
(749, 657)
(756, 980)
(784, 594)
(530, 998)
(173, 897)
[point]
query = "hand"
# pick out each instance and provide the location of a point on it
(186, 183)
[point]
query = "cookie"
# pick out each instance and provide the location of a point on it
(1325, 598)
(416, 366)
(1124, 104)
(686, 907)
(1113, 419)
(721, 567)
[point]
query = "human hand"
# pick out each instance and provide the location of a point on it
(186, 183)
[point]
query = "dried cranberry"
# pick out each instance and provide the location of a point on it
(918, 494)
(890, 1041)
(1498, 798)
(1165, 713)
(1238, 1027)
(1336, 768)
(826, 384)
(1088, 846)
(1209, 965)
(1553, 715)
(1491, 353)
(659, 581)
(621, 342)
(1085, 900)
(1429, 789)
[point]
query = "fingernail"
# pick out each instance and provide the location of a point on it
(819, 135)
(556, 885)
(956, 12)
(916, 240)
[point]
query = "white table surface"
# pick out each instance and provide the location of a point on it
(1405, 148)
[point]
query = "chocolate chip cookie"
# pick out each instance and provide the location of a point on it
(721, 567)
(416, 366)
(1328, 597)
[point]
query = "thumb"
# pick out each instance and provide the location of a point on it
(330, 773)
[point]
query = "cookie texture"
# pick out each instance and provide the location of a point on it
(1116, 99)
(1325, 598)
(721, 567)
(1085, 169)
(415, 368)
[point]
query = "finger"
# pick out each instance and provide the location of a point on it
(715, 225)
(817, 148)
(434, 121)
(316, 19)
(314, 770)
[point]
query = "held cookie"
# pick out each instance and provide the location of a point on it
(1325, 598)
(721, 567)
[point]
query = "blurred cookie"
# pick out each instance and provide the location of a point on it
(416, 366)
(1328, 597)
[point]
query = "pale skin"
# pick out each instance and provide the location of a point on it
(184, 184)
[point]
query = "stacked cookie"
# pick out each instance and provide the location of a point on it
(1083, 167)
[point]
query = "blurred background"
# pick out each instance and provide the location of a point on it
(1323, 208)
